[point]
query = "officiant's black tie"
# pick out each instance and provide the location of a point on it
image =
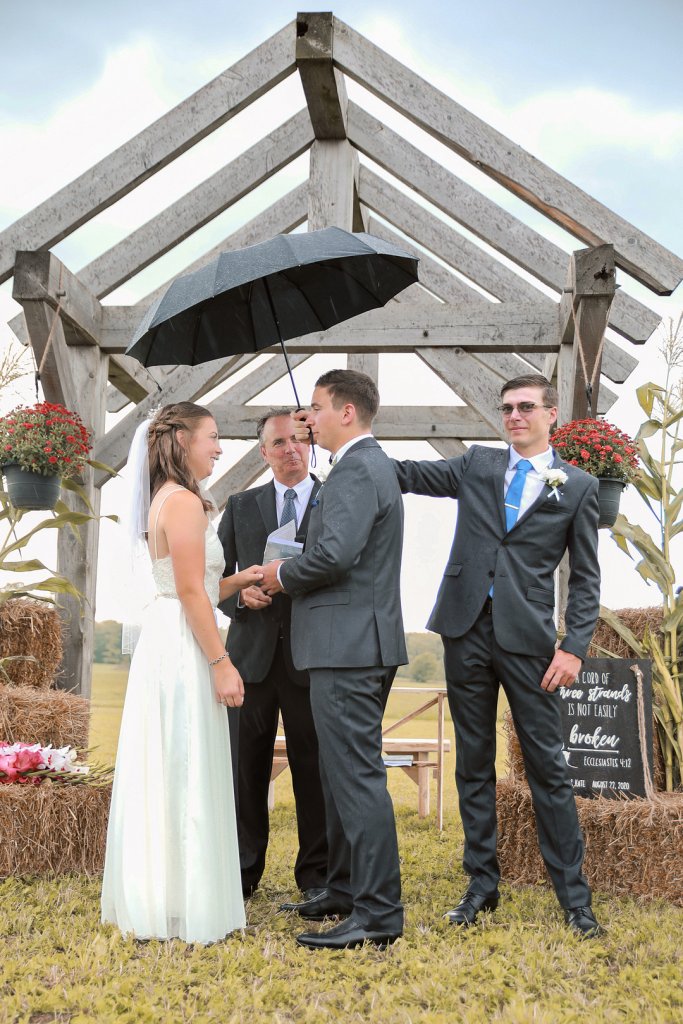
(289, 508)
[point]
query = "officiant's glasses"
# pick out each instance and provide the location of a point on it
(524, 408)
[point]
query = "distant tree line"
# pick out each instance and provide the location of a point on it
(424, 650)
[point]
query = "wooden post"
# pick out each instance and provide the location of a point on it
(77, 552)
(585, 312)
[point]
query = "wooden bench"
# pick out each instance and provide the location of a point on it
(424, 760)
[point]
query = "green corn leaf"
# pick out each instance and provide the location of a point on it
(648, 429)
(71, 485)
(102, 466)
(31, 565)
(646, 396)
(619, 627)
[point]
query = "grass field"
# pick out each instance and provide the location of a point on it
(519, 965)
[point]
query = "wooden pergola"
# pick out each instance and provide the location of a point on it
(482, 314)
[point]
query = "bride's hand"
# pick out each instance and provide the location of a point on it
(227, 684)
(229, 585)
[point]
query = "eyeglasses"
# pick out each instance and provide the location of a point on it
(524, 408)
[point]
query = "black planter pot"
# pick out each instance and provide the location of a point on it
(31, 491)
(608, 497)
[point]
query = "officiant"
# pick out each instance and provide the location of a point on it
(259, 645)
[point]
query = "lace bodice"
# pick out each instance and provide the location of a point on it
(162, 569)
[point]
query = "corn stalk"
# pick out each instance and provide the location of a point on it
(659, 485)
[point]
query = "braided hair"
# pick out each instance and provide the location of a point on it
(167, 457)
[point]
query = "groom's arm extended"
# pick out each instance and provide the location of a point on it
(350, 510)
(438, 479)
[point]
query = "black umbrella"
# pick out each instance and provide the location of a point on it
(252, 298)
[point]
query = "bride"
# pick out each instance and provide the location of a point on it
(172, 864)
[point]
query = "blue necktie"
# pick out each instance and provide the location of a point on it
(288, 508)
(513, 498)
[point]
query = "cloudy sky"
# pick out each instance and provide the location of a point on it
(593, 90)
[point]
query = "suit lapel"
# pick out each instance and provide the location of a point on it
(543, 496)
(502, 457)
(303, 525)
(266, 504)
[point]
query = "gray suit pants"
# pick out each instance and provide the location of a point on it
(475, 665)
(363, 865)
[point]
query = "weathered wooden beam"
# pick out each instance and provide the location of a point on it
(199, 206)
(484, 218)
(42, 277)
(439, 238)
(332, 184)
(475, 383)
(131, 382)
(592, 281)
(54, 359)
(322, 83)
(366, 362)
(151, 149)
(408, 423)
(498, 327)
(253, 384)
(77, 549)
(448, 447)
(238, 477)
(503, 160)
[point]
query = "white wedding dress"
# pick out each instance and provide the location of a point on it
(172, 863)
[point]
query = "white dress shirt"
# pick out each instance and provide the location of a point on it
(533, 485)
(303, 493)
(345, 447)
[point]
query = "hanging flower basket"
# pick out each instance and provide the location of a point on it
(31, 491)
(605, 452)
(41, 445)
(609, 495)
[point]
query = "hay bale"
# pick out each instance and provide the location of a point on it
(34, 628)
(637, 620)
(633, 847)
(515, 761)
(28, 715)
(53, 829)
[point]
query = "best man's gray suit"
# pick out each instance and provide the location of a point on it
(347, 630)
(513, 645)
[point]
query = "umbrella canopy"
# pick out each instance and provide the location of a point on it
(252, 298)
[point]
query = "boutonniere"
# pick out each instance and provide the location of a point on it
(554, 478)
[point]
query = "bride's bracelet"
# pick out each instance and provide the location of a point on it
(216, 660)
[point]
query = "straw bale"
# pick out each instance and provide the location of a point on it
(53, 828)
(637, 620)
(515, 761)
(28, 715)
(633, 847)
(34, 628)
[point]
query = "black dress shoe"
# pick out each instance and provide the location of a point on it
(320, 907)
(308, 895)
(347, 935)
(582, 921)
(469, 906)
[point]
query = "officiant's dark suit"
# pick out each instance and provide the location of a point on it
(494, 611)
(260, 648)
(347, 630)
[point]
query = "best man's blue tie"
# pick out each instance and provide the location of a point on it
(288, 508)
(513, 498)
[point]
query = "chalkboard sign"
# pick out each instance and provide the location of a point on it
(600, 727)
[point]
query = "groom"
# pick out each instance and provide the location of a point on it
(348, 632)
(519, 510)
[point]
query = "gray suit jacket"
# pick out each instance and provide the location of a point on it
(345, 587)
(248, 518)
(520, 563)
